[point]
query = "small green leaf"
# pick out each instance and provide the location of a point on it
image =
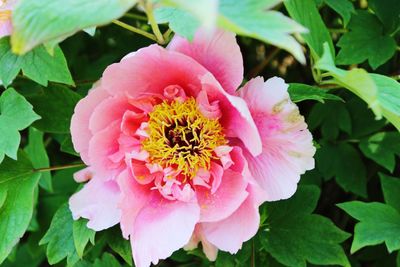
(306, 13)
(251, 18)
(294, 236)
(120, 245)
(391, 189)
(364, 39)
(17, 186)
(382, 148)
(180, 21)
(299, 92)
(37, 154)
(15, 114)
(37, 65)
(38, 22)
(55, 105)
(344, 163)
(59, 238)
(344, 8)
(82, 235)
(378, 223)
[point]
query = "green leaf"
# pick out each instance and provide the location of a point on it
(378, 223)
(251, 18)
(37, 65)
(294, 236)
(15, 114)
(82, 235)
(299, 92)
(37, 154)
(332, 117)
(391, 189)
(55, 105)
(185, 17)
(107, 260)
(382, 148)
(344, 163)
(68, 147)
(381, 93)
(344, 8)
(38, 22)
(17, 186)
(364, 39)
(387, 12)
(120, 245)
(306, 13)
(59, 238)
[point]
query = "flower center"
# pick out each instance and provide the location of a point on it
(180, 136)
(5, 15)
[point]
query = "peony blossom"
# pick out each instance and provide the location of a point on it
(6, 7)
(178, 156)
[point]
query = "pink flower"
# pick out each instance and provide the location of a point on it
(6, 7)
(177, 156)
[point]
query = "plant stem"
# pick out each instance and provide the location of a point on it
(135, 30)
(167, 34)
(54, 168)
(148, 7)
(259, 68)
(135, 16)
(338, 30)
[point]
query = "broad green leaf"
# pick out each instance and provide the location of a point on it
(37, 65)
(294, 236)
(382, 148)
(17, 186)
(388, 13)
(378, 223)
(251, 18)
(185, 17)
(107, 260)
(381, 93)
(55, 105)
(306, 13)
(82, 235)
(25, 257)
(332, 117)
(37, 154)
(364, 39)
(68, 147)
(59, 238)
(38, 22)
(15, 114)
(344, 8)
(120, 245)
(299, 92)
(344, 163)
(391, 189)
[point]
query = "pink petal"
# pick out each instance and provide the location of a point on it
(151, 70)
(97, 201)
(83, 175)
(161, 228)
(209, 249)
(287, 144)
(219, 53)
(134, 198)
(228, 197)
(80, 132)
(230, 233)
(5, 28)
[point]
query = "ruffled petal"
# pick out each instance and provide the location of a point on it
(161, 228)
(97, 201)
(219, 53)
(80, 132)
(287, 144)
(228, 197)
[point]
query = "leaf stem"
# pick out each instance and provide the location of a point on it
(135, 30)
(135, 16)
(167, 34)
(259, 68)
(148, 7)
(54, 168)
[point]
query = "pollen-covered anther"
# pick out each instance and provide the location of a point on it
(180, 136)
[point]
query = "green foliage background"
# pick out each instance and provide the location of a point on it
(341, 58)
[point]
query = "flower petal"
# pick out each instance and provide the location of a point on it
(228, 197)
(97, 201)
(219, 53)
(287, 144)
(161, 228)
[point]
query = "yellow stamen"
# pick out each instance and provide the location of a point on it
(181, 137)
(5, 15)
